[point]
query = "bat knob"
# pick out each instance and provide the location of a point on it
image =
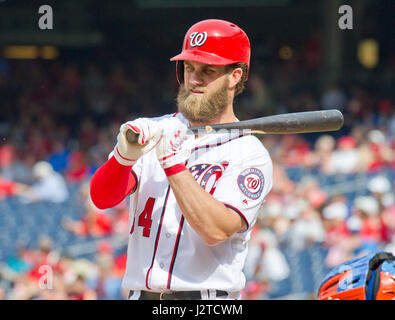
(132, 137)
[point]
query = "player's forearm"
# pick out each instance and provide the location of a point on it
(207, 216)
(111, 183)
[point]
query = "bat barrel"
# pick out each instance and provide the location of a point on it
(298, 122)
(304, 122)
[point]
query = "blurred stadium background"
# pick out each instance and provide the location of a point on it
(64, 92)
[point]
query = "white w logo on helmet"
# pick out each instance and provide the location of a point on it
(197, 38)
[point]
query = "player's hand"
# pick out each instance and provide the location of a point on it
(150, 133)
(174, 148)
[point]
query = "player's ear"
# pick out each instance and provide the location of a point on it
(234, 77)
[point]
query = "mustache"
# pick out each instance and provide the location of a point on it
(196, 88)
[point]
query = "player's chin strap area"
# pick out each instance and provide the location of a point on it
(175, 295)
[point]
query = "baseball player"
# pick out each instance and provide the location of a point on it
(193, 198)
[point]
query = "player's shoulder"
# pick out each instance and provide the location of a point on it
(252, 143)
(250, 148)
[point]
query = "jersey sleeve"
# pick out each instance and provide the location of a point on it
(244, 185)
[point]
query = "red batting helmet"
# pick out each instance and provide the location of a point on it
(215, 42)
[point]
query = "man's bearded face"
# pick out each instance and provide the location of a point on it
(203, 106)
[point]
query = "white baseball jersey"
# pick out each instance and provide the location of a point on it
(164, 251)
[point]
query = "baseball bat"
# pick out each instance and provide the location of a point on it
(288, 123)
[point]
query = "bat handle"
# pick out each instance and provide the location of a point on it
(132, 137)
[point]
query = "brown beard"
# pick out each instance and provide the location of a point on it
(205, 108)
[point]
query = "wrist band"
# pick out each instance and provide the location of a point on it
(122, 160)
(175, 169)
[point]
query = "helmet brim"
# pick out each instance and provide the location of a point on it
(203, 57)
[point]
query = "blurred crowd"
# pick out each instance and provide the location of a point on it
(49, 271)
(45, 274)
(58, 123)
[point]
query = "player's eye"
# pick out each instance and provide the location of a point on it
(188, 68)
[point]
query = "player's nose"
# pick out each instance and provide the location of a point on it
(195, 79)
